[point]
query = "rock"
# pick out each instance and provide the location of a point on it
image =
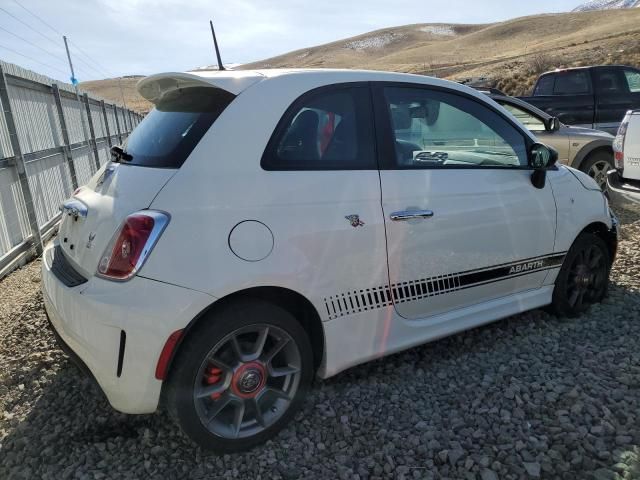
(455, 455)
(471, 406)
(622, 440)
(605, 474)
(487, 474)
(532, 468)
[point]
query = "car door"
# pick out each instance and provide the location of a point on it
(464, 223)
(573, 99)
(613, 96)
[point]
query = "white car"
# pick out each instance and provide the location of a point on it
(262, 227)
(624, 181)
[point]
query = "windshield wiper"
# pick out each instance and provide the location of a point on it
(120, 155)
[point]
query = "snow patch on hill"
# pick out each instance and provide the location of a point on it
(445, 30)
(606, 5)
(374, 42)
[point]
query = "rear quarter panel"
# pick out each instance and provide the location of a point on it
(632, 148)
(316, 251)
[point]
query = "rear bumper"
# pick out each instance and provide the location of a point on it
(624, 195)
(89, 320)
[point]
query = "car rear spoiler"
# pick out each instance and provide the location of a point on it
(154, 87)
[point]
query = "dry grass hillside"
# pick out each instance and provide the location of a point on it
(509, 55)
(110, 90)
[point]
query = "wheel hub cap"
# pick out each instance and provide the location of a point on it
(248, 380)
(584, 278)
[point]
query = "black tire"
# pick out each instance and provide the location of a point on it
(596, 165)
(583, 278)
(196, 350)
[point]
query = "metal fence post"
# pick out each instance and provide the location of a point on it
(19, 163)
(115, 114)
(66, 145)
(92, 132)
(130, 122)
(106, 122)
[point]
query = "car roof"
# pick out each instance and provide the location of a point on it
(235, 81)
(588, 67)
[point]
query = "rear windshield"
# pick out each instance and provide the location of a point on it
(168, 134)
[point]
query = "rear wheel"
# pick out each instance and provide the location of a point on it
(240, 376)
(596, 166)
(583, 278)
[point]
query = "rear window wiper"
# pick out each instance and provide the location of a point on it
(120, 155)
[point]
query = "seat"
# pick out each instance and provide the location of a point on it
(301, 141)
(343, 144)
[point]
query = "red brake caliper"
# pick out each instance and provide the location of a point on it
(213, 375)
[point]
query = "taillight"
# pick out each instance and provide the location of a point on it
(131, 245)
(618, 142)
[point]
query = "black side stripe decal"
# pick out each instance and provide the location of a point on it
(378, 297)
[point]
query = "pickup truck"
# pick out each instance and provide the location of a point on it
(624, 181)
(592, 97)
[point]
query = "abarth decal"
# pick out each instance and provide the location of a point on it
(357, 301)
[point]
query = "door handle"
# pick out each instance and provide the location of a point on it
(411, 215)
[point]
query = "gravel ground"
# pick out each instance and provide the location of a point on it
(532, 396)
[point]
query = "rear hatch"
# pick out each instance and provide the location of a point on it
(186, 106)
(632, 148)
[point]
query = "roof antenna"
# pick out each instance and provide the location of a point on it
(215, 44)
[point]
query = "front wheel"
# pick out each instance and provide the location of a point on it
(240, 376)
(583, 278)
(596, 166)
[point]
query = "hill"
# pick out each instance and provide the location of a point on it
(606, 5)
(509, 55)
(117, 89)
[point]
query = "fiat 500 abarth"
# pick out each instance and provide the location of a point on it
(261, 227)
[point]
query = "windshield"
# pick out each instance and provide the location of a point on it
(168, 134)
(529, 120)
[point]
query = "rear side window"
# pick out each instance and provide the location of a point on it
(572, 83)
(326, 129)
(544, 86)
(633, 80)
(169, 133)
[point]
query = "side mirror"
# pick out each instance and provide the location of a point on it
(552, 124)
(541, 158)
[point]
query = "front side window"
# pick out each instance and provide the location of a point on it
(633, 80)
(529, 120)
(572, 83)
(609, 81)
(436, 129)
(325, 130)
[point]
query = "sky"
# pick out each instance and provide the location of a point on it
(139, 37)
